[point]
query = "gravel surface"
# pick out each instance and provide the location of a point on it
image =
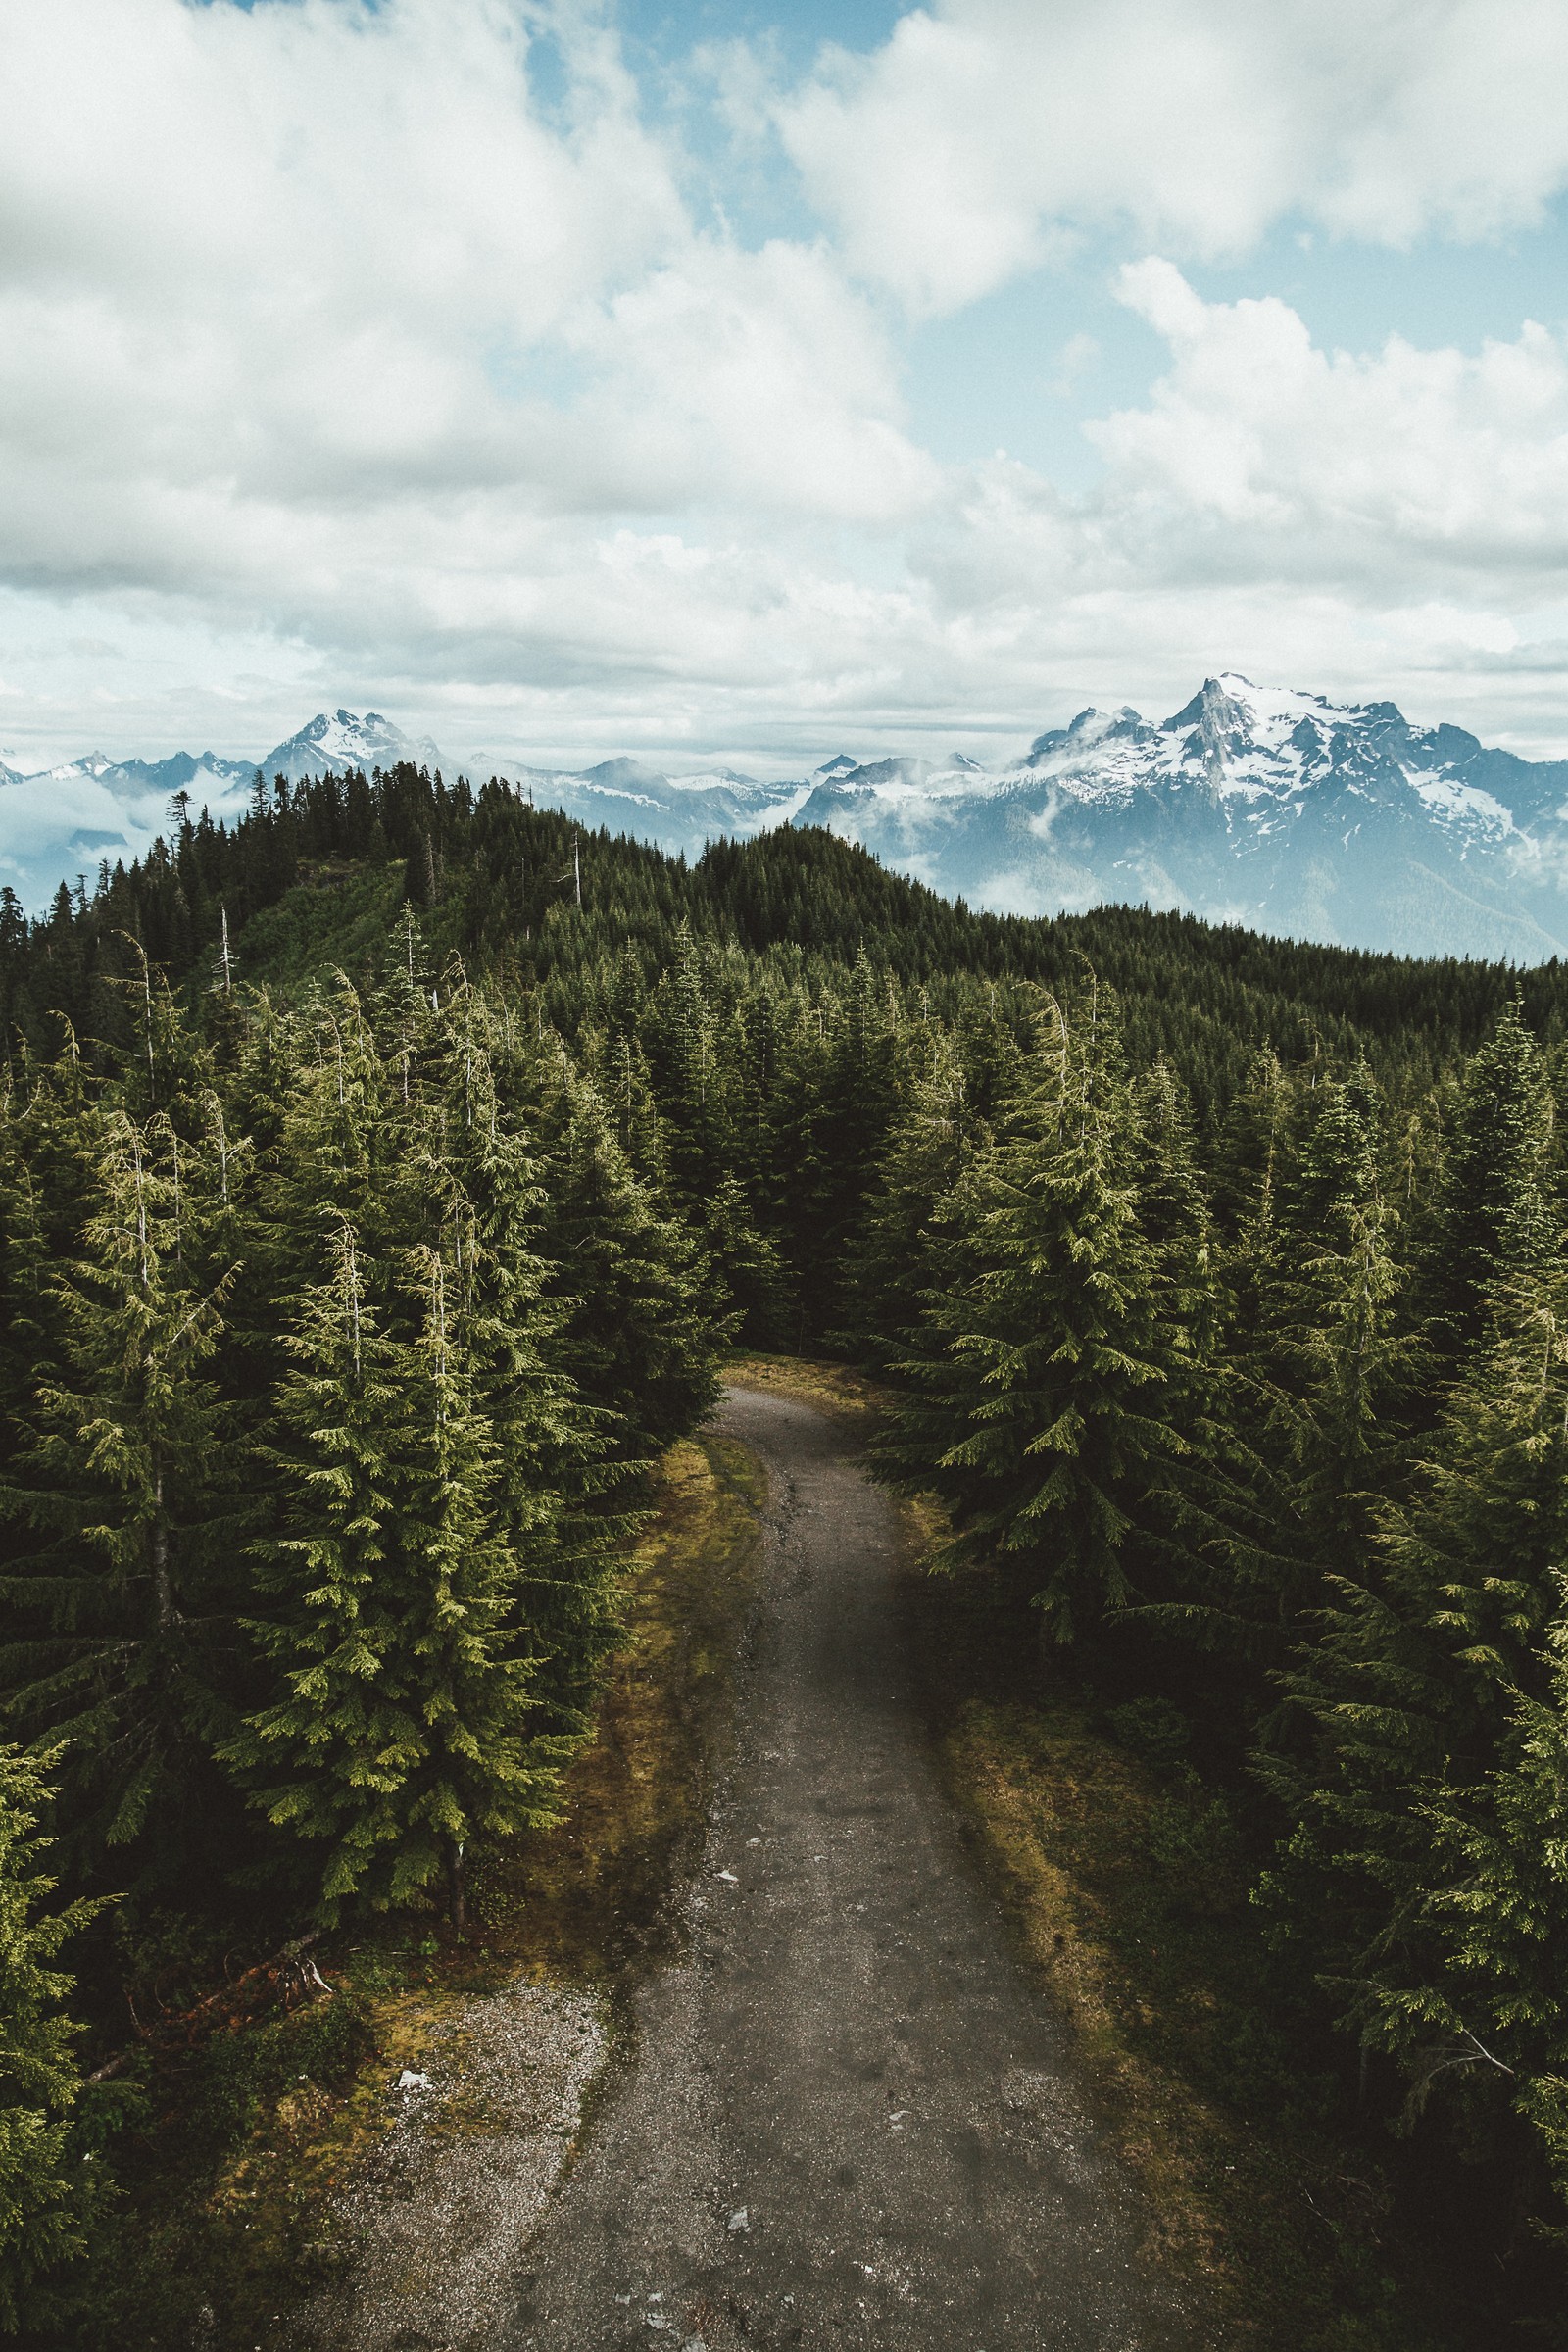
(430, 2228)
(847, 2117)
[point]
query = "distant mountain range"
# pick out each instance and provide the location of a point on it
(1282, 811)
(61, 821)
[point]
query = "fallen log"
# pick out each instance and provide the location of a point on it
(289, 1978)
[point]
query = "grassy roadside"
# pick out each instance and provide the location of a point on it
(1127, 1880)
(1127, 1888)
(228, 2163)
(831, 1388)
(1133, 1910)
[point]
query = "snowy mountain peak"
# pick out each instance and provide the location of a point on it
(1263, 805)
(338, 742)
(1257, 805)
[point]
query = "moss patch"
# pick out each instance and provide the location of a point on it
(832, 1387)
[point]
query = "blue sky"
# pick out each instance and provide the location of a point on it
(741, 382)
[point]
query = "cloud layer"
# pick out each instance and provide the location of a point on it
(987, 130)
(337, 352)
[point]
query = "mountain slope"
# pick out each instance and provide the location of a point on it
(682, 812)
(1283, 812)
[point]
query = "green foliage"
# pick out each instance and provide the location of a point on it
(1044, 1388)
(41, 2188)
(1217, 1283)
(1152, 1728)
(118, 1496)
(399, 1723)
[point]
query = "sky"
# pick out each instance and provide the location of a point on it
(752, 382)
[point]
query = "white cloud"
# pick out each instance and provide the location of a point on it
(1288, 460)
(279, 286)
(984, 130)
(334, 366)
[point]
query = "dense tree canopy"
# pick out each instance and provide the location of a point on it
(383, 1179)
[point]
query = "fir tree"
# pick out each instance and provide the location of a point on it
(1493, 1221)
(118, 1615)
(1498, 1907)
(1415, 1679)
(40, 2204)
(640, 1314)
(1040, 1400)
(399, 1722)
(923, 1165)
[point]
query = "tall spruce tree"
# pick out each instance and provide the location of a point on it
(1415, 1683)
(399, 1725)
(640, 1317)
(120, 1604)
(560, 1475)
(924, 1163)
(1496, 2014)
(1492, 1218)
(41, 2187)
(1042, 1399)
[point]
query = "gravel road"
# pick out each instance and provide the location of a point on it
(845, 2117)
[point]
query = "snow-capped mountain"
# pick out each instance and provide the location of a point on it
(63, 820)
(1283, 812)
(338, 742)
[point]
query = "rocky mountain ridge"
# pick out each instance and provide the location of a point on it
(1280, 810)
(1277, 809)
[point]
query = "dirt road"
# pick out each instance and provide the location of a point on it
(845, 2118)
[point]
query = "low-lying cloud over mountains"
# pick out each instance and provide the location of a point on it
(1280, 810)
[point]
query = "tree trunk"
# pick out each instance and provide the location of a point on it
(163, 1586)
(457, 1893)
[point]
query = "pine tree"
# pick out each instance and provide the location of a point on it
(1041, 1400)
(641, 1316)
(399, 1725)
(923, 1164)
(1493, 1219)
(1415, 1678)
(40, 2215)
(559, 1481)
(1497, 1905)
(118, 1615)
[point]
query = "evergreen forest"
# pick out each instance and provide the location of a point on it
(384, 1180)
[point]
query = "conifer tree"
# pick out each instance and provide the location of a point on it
(924, 1163)
(399, 1724)
(1418, 1673)
(1492, 1220)
(1498, 1907)
(641, 1318)
(1042, 1394)
(120, 1606)
(558, 1477)
(40, 2215)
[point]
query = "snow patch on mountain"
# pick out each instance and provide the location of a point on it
(336, 743)
(1263, 805)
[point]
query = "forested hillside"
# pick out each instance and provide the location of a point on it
(383, 1181)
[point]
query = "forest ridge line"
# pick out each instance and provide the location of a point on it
(1280, 810)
